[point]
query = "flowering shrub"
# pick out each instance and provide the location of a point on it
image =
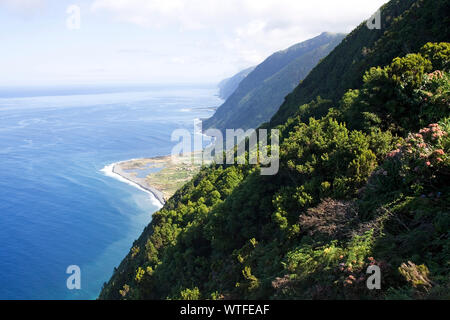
(419, 164)
(410, 192)
(434, 96)
(331, 271)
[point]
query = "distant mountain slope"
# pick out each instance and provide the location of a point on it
(260, 94)
(343, 69)
(229, 85)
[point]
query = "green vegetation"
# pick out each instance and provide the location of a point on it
(171, 173)
(406, 26)
(261, 92)
(174, 174)
(228, 86)
(364, 180)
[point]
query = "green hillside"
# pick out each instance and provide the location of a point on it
(259, 95)
(229, 85)
(406, 26)
(364, 180)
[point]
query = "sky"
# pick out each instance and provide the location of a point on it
(157, 41)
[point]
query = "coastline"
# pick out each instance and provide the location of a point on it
(160, 176)
(116, 172)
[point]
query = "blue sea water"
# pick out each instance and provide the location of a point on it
(56, 206)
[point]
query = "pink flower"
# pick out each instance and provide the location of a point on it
(393, 153)
(428, 163)
(436, 74)
(439, 160)
(440, 152)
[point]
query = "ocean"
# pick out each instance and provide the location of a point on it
(57, 207)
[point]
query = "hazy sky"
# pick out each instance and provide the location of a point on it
(158, 41)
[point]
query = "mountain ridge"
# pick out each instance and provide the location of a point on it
(261, 92)
(363, 48)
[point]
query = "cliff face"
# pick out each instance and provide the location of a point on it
(262, 91)
(364, 180)
(228, 86)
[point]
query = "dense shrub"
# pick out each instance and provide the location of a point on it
(403, 96)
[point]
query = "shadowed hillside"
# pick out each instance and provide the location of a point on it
(260, 94)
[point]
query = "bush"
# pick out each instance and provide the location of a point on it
(403, 95)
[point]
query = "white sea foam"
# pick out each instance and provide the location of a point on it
(108, 171)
